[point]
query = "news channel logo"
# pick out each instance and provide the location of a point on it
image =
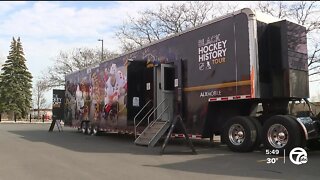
(298, 156)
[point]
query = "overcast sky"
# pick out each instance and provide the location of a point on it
(45, 28)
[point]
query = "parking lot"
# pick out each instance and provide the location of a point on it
(29, 151)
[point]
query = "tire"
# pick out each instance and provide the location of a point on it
(89, 129)
(258, 127)
(83, 127)
(95, 131)
(240, 134)
(282, 132)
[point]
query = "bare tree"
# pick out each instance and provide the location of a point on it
(73, 60)
(225, 8)
(166, 20)
(38, 96)
(137, 32)
(305, 13)
(277, 9)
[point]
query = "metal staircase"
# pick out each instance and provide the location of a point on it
(151, 135)
(155, 130)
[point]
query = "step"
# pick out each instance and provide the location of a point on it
(142, 141)
(145, 138)
(158, 123)
(148, 135)
(150, 131)
(155, 128)
(152, 134)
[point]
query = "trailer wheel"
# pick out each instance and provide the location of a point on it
(281, 132)
(95, 131)
(258, 127)
(83, 127)
(240, 134)
(89, 129)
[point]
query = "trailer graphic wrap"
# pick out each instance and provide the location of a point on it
(211, 52)
(115, 92)
(96, 94)
(78, 98)
(223, 68)
(215, 63)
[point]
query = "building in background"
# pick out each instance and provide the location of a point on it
(46, 112)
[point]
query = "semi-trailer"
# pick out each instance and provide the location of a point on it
(237, 76)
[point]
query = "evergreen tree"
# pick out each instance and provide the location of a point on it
(15, 82)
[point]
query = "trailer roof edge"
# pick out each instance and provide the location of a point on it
(247, 11)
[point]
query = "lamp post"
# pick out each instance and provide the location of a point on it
(84, 56)
(101, 49)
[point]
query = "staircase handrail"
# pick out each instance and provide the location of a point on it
(142, 121)
(156, 109)
(134, 119)
(152, 123)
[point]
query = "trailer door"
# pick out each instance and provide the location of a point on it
(140, 90)
(165, 91)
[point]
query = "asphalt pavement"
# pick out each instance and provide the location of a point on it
(30, 152)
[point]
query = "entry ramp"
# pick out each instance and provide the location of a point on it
(152, 134)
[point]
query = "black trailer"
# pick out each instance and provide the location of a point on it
(215, 76)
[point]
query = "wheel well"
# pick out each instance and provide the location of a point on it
(301, 125)
(219, 112)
